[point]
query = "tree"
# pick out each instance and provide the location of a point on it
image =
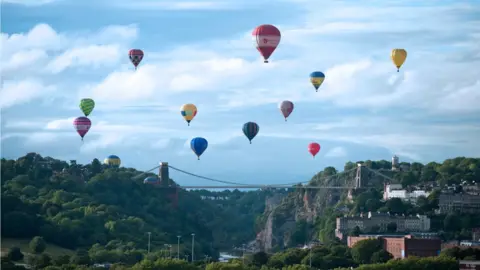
(15, 254)
(395, 206)
(408, 179)
(381, 256)
(81, 257)
(39, 261)
(260, 258)
(362, 250)
(450, 223)
(96, 167)
(37, 245)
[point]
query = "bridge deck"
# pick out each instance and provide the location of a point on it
(261, 186)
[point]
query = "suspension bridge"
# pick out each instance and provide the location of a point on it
(351, 180)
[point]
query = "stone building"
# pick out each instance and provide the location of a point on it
(458, 202)
(366, 223)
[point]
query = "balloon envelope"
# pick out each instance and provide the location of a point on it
(317, 78)
(151, 180)
(136, 56)
(250, 129)
(398, 57)
(87, 105)
(266, 38)
(314, 148)
(112, 160)
(198, 145)
(286, 107)
(188, 111)
(82, 125)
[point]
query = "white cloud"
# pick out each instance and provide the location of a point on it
(13, 93)
(336, 152)
(92, 56)
(42, 42)
(60, 124)
(363, 99)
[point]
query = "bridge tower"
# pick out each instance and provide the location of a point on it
(163, 174)
(171, 190)
(358, 176)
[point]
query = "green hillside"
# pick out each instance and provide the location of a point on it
(77, 206)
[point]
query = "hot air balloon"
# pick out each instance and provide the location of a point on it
(112, 160)
(286, 107)
(152, 180)
(314, 148)
(87, 105)
(250, 129)
(136, 57)
(398, 57)
(317, 78)
(266, 38)
(189, 111)
(82, 125)
(198, 145)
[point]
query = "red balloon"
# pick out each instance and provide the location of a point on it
(135, 56)
(82, 125)
(266, 37)
(314, 148)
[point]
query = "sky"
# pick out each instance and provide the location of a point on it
(56, 52)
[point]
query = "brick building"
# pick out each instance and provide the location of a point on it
(403, 247)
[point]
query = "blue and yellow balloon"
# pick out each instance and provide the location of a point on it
(113, 161)
(317, 78)
(198, 145)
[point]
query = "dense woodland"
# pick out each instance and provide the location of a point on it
(81, 205)
(105, 213)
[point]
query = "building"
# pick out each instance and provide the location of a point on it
(404, 246)
(469, 265)
(458, 202)
(395, 163)
(476, 234)
(366, 223)
(396, 191)
(214, 198)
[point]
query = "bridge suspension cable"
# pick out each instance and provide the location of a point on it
(206, 178)
(326, 180)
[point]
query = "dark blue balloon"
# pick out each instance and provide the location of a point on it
(151, 180)
(250, 129)
(198, 145)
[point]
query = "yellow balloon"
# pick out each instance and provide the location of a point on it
(189, 111)
(398, 57)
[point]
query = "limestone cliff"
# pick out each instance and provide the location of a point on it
(283, 213)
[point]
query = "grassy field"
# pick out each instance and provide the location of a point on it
(53, 250)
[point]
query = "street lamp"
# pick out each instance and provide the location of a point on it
(193, 247)
(149, 235)
(310, 255)
(243, 253)
(178, 246)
